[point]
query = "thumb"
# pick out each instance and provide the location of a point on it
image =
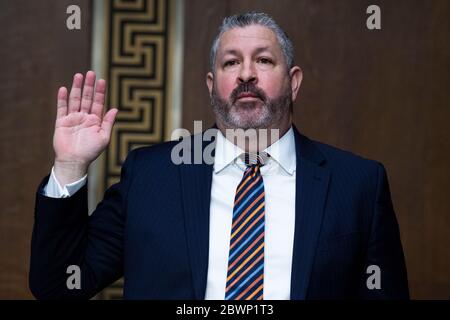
(108, 121)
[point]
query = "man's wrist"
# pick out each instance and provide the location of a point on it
(67, 172)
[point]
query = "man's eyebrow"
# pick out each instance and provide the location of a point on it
(262, 49)
(256, 51)
(231, 51)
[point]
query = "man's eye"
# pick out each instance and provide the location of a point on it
(264, 61)
(230, 63)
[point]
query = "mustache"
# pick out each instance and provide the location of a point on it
(248, 87)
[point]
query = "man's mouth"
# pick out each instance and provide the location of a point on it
(247, 96)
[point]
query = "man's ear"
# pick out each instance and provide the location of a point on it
(209, 82)
(296, 75)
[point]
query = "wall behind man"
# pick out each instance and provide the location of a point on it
(38, 54)
(382, 94)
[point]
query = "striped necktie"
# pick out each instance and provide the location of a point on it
(245, 275)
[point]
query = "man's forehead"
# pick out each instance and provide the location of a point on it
(253, 36)
(252, 31)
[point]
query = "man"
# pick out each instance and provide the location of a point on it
(290, 218)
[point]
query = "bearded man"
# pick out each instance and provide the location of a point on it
(275, 216)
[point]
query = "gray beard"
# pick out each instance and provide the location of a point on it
(273, 110)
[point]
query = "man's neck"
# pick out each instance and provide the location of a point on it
(254, 140)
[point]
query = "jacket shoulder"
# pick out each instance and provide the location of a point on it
(156, 152)
(342, 159)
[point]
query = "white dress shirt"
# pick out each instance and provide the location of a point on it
(279, 188)
(279, 175)
(54, 190)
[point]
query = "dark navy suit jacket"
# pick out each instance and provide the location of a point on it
(153, 229)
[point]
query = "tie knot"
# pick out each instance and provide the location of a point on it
(253, 159)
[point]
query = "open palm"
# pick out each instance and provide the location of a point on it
(81, 130)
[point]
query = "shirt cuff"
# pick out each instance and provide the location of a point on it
(54, 190)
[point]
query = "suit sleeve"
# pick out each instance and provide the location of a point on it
(65, 235)
(384, 249)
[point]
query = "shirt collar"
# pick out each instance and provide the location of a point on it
(226, 152)
(282, 151)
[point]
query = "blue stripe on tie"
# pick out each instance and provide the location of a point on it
(246, 191)
(247, 199)
(245, 242)
(245, 281)
(251, 215)
(246, 174)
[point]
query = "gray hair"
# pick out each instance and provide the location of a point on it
(254, 18)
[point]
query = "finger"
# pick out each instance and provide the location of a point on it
(61, 103)
(108, 121)
(99, 98)
(75, 93)
(88, 92)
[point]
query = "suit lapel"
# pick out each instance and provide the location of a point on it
(311, 189)
(196, 195)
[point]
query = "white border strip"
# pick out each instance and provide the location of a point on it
(177, 66)
(97, 65)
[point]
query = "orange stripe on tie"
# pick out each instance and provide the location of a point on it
(245, 272)
(245, 261)
(246, 190)
(255, 292)
(247, 220)
(249, 287)
(242, 214)
(243, 183)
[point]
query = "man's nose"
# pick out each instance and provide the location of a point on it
(247, 73)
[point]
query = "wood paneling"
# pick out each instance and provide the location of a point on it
(38, 54)
(382, 94)
(201, 21)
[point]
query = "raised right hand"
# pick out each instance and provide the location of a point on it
(81, 130)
